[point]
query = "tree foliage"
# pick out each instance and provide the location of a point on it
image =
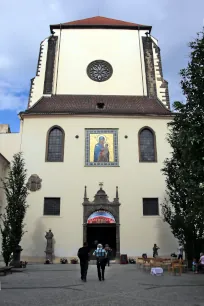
(184, 170)
(12, 226)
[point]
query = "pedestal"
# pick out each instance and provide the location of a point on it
(16, 257)
(49, 256)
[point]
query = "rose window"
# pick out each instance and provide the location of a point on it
(99, 71)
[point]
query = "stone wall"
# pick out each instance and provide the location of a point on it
(157, 86)
(149, 67)
(161, 83)
(37, 83)
(50, 65)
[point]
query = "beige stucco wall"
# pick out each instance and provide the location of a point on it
(10, 144)
(4, 128)
(121, 48)
(80, 47)
(67, 180)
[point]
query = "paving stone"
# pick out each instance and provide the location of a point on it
(124, 285)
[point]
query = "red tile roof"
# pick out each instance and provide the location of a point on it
(99, 21)
(88, 104)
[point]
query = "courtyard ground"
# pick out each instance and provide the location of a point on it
(124, 285)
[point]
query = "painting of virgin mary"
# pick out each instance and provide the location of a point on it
(101, 150)
(101, 147)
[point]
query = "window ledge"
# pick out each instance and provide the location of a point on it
(148, 161)
(54, 161)
(51, 216)
(153, 216)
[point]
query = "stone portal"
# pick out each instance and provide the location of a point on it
(101, 219)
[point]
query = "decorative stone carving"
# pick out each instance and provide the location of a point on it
(101, 202)
(99, 71)
(16, 261)
(34, 183)
(49, 248)
(101, 196)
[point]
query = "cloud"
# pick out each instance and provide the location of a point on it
(11, 97)
(175, 23)
(5, 62)
(12, 102)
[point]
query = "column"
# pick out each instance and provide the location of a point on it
(117, 241)
(84, 232)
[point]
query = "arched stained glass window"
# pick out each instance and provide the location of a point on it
(147, 145)
(55, 145)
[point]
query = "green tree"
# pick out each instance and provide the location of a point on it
(12, 226)
(184, 170)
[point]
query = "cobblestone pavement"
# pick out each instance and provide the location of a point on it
(124, 285)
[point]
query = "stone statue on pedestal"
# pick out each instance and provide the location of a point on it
(49, 248)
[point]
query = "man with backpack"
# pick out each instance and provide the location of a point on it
(101, 258)
(83, 254)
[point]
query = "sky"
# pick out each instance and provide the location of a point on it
(24, 24)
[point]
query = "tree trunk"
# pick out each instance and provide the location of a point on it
(189, 250)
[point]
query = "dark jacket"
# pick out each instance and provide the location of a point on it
(83, 254)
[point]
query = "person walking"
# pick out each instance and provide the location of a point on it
(108, 251)
(83, 254)
(201, 262)
(180, 252)
(101, 256)
(155, 250)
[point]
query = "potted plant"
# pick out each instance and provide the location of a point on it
(132, 261)
(74, 261)
(64, 261)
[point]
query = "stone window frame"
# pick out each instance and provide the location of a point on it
(155, 145)
(47, 143)
(57, 201)
(150, 199)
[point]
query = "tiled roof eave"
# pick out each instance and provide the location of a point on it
(100, 21)
(117, 27)
(88, 104)
(29, 114)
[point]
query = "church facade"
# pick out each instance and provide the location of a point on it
(94, 141)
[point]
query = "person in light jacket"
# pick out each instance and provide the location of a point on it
(101, 257)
